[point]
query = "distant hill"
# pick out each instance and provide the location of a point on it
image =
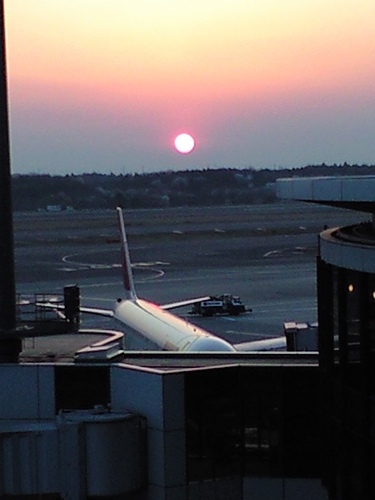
(225, 186)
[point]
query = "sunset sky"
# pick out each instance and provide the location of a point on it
(106, 85)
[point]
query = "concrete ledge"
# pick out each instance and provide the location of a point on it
(341, 253)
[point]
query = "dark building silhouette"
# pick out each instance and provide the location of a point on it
(346, 315)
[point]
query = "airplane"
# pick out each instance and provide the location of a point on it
(153, 325)
(269, 344)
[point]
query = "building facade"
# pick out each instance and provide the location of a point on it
(162, 426)
(346, 317)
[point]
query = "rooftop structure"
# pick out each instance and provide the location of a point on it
(162, 426)
(351, 192)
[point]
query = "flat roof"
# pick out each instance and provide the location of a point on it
(351, 192)
(62, 349)
(166, 362)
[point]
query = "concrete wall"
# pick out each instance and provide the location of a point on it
(27, 392)
(159, 398)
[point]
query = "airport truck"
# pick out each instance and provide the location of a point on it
(219, 304)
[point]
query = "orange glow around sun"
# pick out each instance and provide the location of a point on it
(213, 50)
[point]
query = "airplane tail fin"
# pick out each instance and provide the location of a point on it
(125, 259)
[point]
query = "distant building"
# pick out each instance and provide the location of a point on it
(59, 208)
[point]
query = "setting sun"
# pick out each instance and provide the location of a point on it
(184, 143)
(251, 81)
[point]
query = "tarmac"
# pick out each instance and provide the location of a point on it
(266, 254)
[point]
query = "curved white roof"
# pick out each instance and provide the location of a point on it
(355, 192)
(346, 254)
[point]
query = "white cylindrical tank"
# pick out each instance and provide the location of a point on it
(29, 458)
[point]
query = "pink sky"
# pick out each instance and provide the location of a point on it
(106, 86)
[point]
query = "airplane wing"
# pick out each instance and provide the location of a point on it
(271, 344)
(88, 310)
(109, 312)
(99, 312)
(189, 302)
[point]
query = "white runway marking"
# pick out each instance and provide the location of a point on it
(82, 266)
(272, 253)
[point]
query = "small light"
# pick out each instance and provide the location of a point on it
(351, 288)
(373, 295)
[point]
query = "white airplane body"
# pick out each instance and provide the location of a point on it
(166, 330)
(154, 325)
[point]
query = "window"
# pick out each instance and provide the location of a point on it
(81, 388)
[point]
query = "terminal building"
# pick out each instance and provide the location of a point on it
(346, 316)
(107, 423)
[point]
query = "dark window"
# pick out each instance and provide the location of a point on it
(352, 293)
(81, 387)
(371, 314)
(257, 421)
(281, 420)
(262, 405)
(213, 430)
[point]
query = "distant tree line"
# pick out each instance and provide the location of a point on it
(225, 186)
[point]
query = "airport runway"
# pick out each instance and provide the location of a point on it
(266, 254)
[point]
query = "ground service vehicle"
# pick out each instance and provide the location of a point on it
(219, 304)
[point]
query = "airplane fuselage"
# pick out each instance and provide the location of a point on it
(165, 330)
